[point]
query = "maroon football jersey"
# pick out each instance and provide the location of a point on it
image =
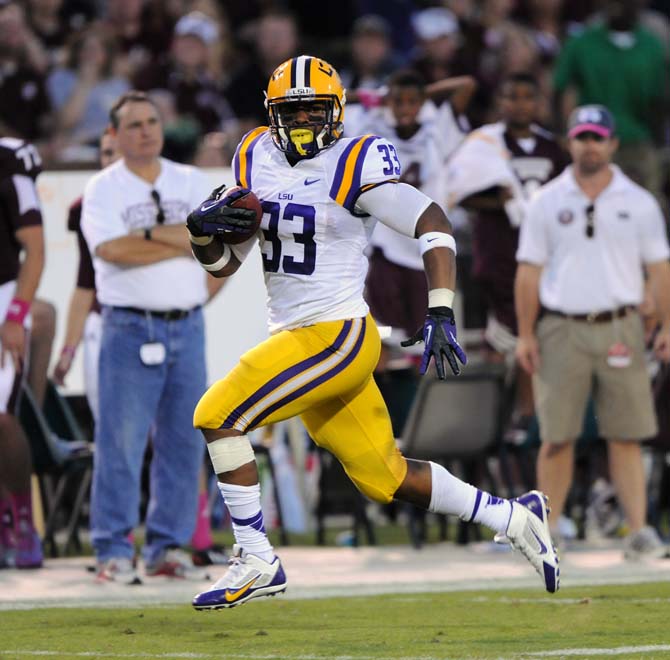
(495, 241)
(20, 164)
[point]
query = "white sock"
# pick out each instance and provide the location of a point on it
(451, 495)
(244, 504)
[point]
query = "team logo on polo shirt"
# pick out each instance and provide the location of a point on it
(566, 216)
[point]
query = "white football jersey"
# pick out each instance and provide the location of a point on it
(313, 237)
(423, 157)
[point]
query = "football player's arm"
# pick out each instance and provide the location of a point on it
(12, 332)
(81, 302)
(410, 212)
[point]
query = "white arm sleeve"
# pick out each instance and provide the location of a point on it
(398, 205)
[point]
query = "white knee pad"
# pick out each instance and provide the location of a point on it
(228, 454)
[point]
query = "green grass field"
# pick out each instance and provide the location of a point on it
(463, 625)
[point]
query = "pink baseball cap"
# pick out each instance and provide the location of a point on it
(591, 119)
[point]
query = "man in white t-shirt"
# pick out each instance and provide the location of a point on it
(587, 238)
(152, 363)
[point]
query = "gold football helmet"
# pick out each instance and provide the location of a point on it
(305, 103)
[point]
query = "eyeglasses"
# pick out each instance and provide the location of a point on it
(160, 213)
(590, 211)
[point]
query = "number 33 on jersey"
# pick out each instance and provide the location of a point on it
(308, 208)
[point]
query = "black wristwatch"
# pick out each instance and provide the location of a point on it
(147, 234)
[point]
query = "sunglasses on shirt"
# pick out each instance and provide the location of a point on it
(590, 212)
(160, 213)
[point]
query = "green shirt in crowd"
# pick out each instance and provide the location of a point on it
(629, 81)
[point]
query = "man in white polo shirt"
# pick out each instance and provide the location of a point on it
(152, 363)
(587, 239)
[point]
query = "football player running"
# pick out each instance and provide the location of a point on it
(321, 195)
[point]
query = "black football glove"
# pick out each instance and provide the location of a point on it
(216, 216)
(439, 336)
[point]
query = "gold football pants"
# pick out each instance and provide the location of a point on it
(323, 373)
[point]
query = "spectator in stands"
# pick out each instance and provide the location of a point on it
(542, 18)
(20, 232)
(24, 111)
(371, 54)
(152, 363)
(183, 74)
(439, 38)
(83, 90)
(489, 52)
(493, 176)
(83, 319)
(275, 40)
(139, 37)
(48, 25)
(585, 241)
(623, 66)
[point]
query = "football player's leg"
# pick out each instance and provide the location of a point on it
(523, 522)
(356, 428)
(278, 379)
(15, 471)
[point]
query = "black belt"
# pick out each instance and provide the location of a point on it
(167, 315)
(593, 317)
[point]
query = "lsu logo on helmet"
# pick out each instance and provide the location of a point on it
(305, 103)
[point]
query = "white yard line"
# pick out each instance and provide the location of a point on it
(618, 650)
(563, 601)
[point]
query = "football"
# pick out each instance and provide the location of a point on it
(247, 201)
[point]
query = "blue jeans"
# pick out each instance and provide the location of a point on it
(135, 401)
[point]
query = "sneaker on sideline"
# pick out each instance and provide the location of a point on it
(28, 549)
(118, 569)
(175, 563)
(248, 577)
(644, 544)
(528, 532)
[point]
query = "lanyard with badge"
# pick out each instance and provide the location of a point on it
(152, 353)
(619, 355)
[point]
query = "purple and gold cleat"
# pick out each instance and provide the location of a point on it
(528, 532)
(248, 577)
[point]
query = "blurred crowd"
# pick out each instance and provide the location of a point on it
(206, 62)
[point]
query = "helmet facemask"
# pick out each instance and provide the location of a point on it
(300, 138)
